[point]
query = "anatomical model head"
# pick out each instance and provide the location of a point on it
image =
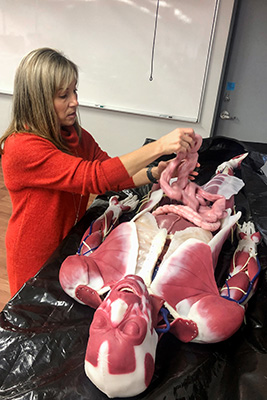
(120, 355)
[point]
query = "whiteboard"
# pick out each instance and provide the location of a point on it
(111, 41)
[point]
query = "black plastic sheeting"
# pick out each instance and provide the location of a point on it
(44, 333)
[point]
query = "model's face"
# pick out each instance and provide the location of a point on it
(66, 103)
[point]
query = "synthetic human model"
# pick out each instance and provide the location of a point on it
(155, 274)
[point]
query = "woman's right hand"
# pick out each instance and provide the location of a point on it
(178, 140)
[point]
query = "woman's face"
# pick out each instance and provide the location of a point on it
(66, 103)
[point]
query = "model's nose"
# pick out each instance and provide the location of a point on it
(118, 310)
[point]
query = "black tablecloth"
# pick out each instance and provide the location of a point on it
(44, 333)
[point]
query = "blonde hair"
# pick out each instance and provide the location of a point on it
(39, 76)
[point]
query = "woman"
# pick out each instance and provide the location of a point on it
(51, 164)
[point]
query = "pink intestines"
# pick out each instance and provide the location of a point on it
(202, 208)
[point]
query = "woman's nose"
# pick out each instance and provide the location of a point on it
(74, 100)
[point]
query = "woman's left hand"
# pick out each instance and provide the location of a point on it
(157, 171)
(194, 173)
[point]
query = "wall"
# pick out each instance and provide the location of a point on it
(117, 133)
(120, 132)
(118, 69)
(247, 70)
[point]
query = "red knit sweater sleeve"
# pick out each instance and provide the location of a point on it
(31, 161)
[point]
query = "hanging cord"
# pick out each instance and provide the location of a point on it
(154, 41)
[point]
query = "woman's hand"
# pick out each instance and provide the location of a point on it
(194, 173)
(141, 178)
(157, 171)
(178, 140)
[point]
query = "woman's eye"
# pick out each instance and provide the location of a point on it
(63, 96)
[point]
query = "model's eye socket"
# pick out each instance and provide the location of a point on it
(99, 322)
(131, 328)
(134, 330)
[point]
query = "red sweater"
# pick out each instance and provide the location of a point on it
(45, 186)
